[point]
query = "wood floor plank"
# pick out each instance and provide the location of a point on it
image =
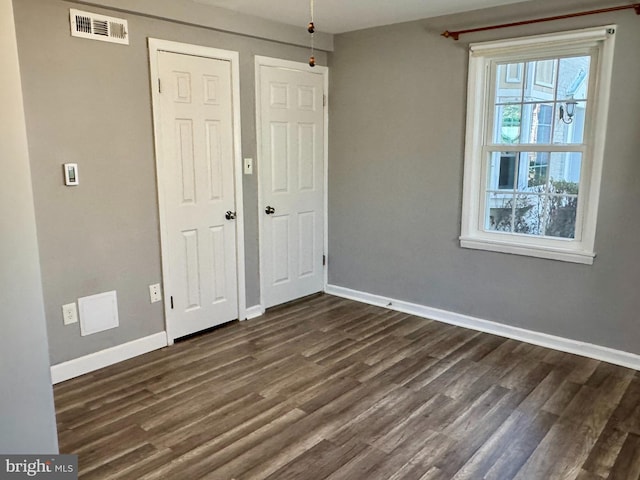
(521, 443)
(628, 462)
(318, 462)
(605, 452)
(584, 475)
(577, 430)
(377, 419)
(325, 388)
(302, 434)
(562, 397)
(203, 459)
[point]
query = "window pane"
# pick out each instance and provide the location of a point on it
(540, 81)
(507, 124)
(499, 210)
(536, 123)
(538, 171)
(502, 171)
(561, 220)
(509, 82)
(573, 78)
(564, 172)
(569, 128)
(545, 73)
(529, 215)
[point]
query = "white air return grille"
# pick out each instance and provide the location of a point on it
(99, 27)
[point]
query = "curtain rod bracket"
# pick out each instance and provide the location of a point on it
(456, 34)
(447, 34)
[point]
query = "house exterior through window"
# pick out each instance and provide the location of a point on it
(536, 121)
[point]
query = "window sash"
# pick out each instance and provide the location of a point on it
(492, 64)
(491, 147)
(583, 193)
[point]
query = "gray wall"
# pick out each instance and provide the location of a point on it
(397, 127)
(89, 102)
(27, 418)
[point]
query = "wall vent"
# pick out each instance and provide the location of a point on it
(99, 27)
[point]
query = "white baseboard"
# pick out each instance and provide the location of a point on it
(254, 312)
(598, 352)
(104, 358)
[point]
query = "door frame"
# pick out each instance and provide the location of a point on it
(156, 46)
(261, 61)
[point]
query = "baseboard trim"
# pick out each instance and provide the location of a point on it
(95, 361)
(598, 352)
(254, 312)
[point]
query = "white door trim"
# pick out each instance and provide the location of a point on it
(156, 46)
(304, 67)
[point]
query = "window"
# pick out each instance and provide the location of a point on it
(535, 143)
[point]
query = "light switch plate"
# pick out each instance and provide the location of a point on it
(71, 174)
(248, 166)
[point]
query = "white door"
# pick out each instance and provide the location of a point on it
(197, 181)
(291, 116)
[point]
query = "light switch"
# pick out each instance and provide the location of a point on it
(248, 166)
(71, 174)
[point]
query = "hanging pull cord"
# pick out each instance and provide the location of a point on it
(311, 28)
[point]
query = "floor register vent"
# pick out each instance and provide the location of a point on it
(99, 27)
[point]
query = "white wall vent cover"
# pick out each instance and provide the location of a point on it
(98, 313)
(99, 27)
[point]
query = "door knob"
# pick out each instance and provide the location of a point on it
(230, 215)
(269, 210)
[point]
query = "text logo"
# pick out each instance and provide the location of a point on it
(50, 467)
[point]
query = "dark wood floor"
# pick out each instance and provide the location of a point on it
(328, 388)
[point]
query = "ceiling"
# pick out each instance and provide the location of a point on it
(338, 16)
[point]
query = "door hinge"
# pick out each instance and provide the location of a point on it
(172, 303)
(324, 260)
(324, 100)
(159, 86)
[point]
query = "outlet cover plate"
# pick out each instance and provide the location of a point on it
(69, 313)
(154, 293)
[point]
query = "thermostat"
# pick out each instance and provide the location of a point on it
(71, 174)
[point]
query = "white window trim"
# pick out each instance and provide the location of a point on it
(580, 250)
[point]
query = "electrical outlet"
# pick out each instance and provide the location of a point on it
(154, 293)
(69, 313)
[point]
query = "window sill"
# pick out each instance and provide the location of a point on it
(563, 255)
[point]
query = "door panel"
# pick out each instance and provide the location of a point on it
(184, 133)
(281, 260)
(215, 158)
(191, 269)
(218, 250)
(279, 157)
(197, 182)
(306, 160)
(292, 182)
(306, 243)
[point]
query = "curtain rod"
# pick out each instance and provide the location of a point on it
(456, 34)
